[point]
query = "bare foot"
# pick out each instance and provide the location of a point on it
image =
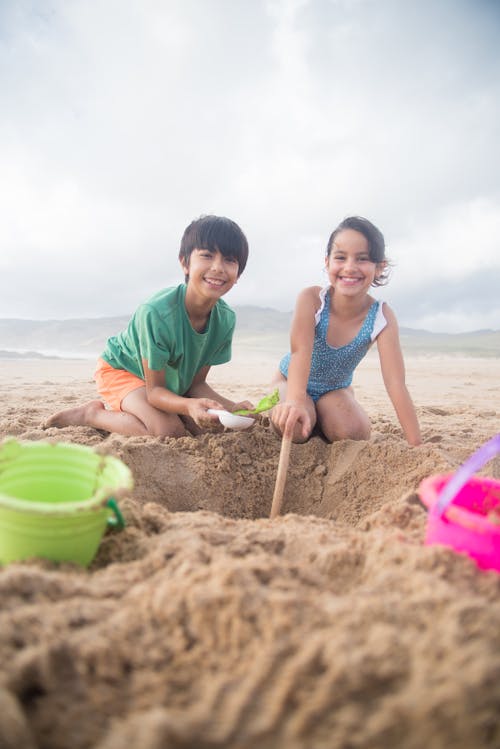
(81, 416)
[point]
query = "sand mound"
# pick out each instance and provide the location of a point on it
(204, 624)
(196, 630)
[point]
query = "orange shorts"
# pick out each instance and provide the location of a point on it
(114, 384)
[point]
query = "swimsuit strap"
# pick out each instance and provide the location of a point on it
(322, 298)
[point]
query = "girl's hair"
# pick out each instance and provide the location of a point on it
(375, 239)
(215, 233)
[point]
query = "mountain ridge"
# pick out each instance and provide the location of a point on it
(87, 336)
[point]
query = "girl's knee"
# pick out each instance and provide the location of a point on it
(339, 432)
(344, 419)
(359, 431)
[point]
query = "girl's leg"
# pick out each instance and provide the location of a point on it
(279, 382)
(341, 417)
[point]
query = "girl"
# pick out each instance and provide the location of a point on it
(332, 330)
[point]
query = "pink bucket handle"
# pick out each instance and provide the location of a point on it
(476, 461)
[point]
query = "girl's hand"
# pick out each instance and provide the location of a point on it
(198, 408)
(288, 414)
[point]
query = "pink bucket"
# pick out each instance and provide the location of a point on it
(465, 525)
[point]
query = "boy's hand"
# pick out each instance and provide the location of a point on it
(197, 410)
(242, 405)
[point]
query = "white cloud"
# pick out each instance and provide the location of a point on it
(464, 238)
(123, 121)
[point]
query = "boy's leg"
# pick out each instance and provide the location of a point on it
(133, 414)
(129, 414)
(137, 418)
(155, 422)
(93, 414)
(341, 417)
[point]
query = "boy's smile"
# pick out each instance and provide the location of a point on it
(211, 273)
(215, 282)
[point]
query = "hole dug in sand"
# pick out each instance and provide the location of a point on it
(233, 474)
(193, 629)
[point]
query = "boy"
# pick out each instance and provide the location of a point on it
(153, 374)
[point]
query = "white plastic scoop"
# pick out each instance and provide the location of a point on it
(231, 421)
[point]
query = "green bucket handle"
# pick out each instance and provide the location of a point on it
(118, 521)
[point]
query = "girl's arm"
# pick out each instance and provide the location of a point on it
(301, 343)
(286, 414)
(393, 373)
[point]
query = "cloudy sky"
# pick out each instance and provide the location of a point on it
(122, 121)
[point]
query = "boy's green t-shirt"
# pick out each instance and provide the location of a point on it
(161, 333)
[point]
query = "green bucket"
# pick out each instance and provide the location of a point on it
(56, 500)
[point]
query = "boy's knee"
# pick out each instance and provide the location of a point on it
(170, 427)
(170, 433)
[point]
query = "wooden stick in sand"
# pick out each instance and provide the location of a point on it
(279, 486)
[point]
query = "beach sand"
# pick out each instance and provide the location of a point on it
(204, 624)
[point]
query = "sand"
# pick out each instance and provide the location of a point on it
(204, 624)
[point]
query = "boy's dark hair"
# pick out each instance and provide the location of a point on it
(374, 237)
(215, 233)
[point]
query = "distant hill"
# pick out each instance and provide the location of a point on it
(256, 326)
(475, 343)
(250, 319)
(76, 337)
(25, 355)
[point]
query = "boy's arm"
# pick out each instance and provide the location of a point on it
(201, 389)
(165, 400)
(393, 373)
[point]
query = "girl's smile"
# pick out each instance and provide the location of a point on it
(349, 266)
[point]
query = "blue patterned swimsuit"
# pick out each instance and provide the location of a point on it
(333, 368)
